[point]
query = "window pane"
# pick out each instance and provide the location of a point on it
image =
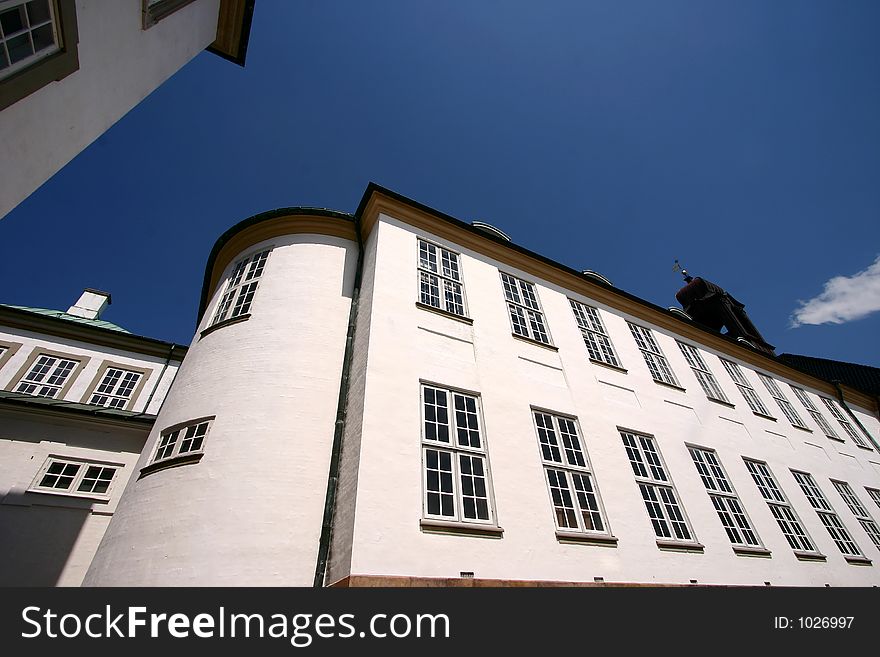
(12, 21)
(43, 38)
(38, 11)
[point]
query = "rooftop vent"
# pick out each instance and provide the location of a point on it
(747, 343)
(680, 313)
(597, 276)
(489, 229)
(90, 305)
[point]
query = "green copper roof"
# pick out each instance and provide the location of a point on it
(100, 323)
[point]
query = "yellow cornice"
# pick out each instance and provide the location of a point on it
(380, 203)
(557, 274)
(233, 29)
(276, 227)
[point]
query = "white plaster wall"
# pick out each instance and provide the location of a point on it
(120, 64)
(159, 377)
(249, 513)
(408, 344)
(47, 539)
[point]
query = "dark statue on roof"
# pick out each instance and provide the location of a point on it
(713, 307)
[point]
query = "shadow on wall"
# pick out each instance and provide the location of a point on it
(36, 541)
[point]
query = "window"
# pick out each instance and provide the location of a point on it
(179, 441)
(575, 498)
(48, 376)
(456, 470)
(654, 358)
(116, 388)
(440, 283)
(701, 371)
(595, 336)
(841, 537)
(241, 287)
(844, 422)
(28, 32)
(37, 45)
(801, 394)
(7, 350)
(156, 10)
(724, 498)
(658, 493)
(745, 388)
(785, 515)
(781, 401)
(875, 495)
(859, 511)
(526, 318)
(73, 477)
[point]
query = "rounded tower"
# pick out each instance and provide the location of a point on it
(230, 489)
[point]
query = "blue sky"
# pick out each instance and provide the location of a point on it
(741, 138)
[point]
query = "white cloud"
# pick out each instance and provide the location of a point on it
(844, 299)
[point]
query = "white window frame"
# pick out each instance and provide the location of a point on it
(790, 524)
(455, 429)
(118, 393)
(240, 287)
(54, 378)
(440, 278)
(727, 504)
(859, 511)
(169, 446)
(7, 351)
(701, 371)
(524, 309)
(745, 388)
(82, 468)
(28, 30)
(782, 401)
(661, 500)
(874, 494)
(818, 418)
(838, 414)
(836, 529)
(596, 338)
(563, 452)
(654, 357)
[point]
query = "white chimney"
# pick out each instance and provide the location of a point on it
(90, 305)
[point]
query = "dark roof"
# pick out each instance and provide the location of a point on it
(860, 377)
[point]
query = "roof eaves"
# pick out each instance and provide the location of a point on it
(17, 399)
(252, 221)
(59, 324)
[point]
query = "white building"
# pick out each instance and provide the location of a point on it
(396, 397)
(78, 396)
(69, 69)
